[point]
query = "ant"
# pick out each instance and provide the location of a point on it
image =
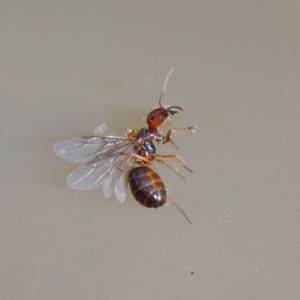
(108, 158)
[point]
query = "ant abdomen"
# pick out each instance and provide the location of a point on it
(147, 187)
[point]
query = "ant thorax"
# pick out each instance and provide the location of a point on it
(146, 133)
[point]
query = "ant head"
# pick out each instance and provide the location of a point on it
(157, 116)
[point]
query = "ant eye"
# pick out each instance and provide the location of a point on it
(152, 118)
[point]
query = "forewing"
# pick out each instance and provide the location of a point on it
(94, 173)
(89, 148)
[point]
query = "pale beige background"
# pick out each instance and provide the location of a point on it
(69, 66)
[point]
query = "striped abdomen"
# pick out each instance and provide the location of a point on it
(147, 187)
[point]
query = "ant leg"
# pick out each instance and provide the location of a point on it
(169, 200)
(130, 133)
(144, 160)
(174, 144)
(180, 160)
(169, 167)
(167, 138)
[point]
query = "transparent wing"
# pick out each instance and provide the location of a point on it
(120, 187)
(89, 148)
(97, 171)
(116, 179)
(90, 175)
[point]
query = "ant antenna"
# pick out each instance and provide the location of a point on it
(165, 85)
(181, 211)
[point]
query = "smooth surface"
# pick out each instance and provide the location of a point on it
(68, 67)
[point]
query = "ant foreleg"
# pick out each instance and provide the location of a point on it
(167, 138)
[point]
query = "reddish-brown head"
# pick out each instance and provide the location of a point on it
(157, 116)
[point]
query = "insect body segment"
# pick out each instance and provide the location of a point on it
(147, 187)
(109, 158)
(157, 116)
